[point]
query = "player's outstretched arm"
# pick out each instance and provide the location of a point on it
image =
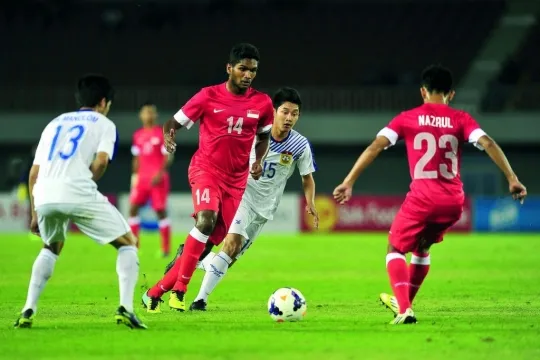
(99, 165)
(343, 192)
(308, 183)
(261, 149)
(517, 189)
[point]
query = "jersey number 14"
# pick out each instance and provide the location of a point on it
(235, 126)
(431, 146)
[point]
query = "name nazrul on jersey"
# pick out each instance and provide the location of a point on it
(435, 121)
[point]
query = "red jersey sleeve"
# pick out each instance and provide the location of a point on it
(394, 130)
(267, 119)
(192, 110)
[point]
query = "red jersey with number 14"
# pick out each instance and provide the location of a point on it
(433, 134)
(228, 126)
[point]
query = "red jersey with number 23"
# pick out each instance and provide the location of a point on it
(433, 134)
(228, 126)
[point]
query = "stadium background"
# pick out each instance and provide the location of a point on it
(356, 64)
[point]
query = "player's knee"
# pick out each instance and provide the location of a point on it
(161, 214)
(55, 247)
(206, 221)
(133, 210)
(125, 240)
(232, 245)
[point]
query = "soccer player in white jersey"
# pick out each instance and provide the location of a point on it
(73, 153)
(288, 150)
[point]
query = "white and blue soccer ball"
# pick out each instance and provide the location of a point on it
(287, 304)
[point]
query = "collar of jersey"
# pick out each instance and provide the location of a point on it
(282, 141)
(85, 110)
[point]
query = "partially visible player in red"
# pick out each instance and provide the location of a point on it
(150, 180)
(231, 115)
(433, 134)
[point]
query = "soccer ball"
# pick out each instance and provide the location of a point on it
(287, 304)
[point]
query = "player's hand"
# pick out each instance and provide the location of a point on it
(256, 170)
(170, 143)
(34, 228)
(310, 209)
(518, 190)
(157, 179)
(343, 193)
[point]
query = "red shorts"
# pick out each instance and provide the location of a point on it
(208, 194)
(418, 221)
(144, 191)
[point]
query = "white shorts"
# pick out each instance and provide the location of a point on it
(248, 224)
(100, 220)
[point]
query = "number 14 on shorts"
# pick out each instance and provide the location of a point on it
(202, 195)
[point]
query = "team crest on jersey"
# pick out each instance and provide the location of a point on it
(286, 158)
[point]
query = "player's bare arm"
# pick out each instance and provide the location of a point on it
(261, 149)
(169, 132)
(343, 192)
(517, 189)
(308, 184)
(99, 165)
(32, 178)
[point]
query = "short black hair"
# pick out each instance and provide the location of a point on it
(91, 89)
(437, 79)
(147, 103)
(243, 51)
(286, 94)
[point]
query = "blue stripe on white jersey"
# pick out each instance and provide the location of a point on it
(293, 143)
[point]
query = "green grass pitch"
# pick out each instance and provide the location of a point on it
(481, 300)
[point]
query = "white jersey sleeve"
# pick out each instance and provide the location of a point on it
(306, 162)
(109, 140)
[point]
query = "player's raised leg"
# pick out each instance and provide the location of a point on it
(204, 260)
(206, 201)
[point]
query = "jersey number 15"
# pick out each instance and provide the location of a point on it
(431, 146)
(75, 134)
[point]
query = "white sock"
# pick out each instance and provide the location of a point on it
(41, 273)
(127, 268)
(205, 263)
(216, 270)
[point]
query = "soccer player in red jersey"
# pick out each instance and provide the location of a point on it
(433, 134)
(231, 115)
(150, 179)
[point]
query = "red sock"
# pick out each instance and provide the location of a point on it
(167, 281)
(135, 225)
(165, 231)
(396, 265)
(418, 270)
(193, 248)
